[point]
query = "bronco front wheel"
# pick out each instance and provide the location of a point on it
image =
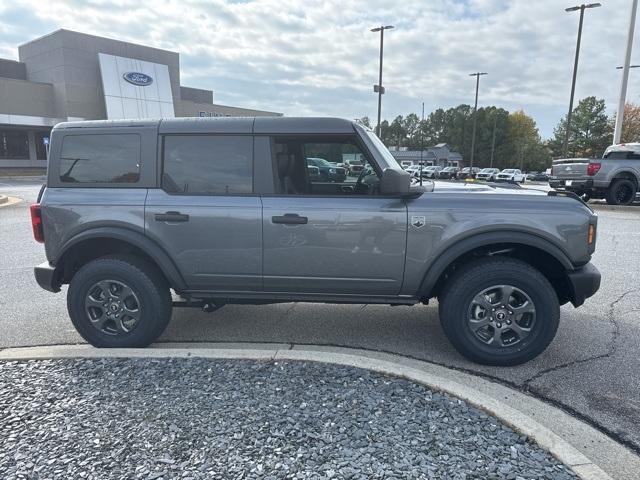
(499, 311)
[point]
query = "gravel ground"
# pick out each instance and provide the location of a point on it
(198, 418)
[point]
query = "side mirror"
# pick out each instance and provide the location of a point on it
(395, 182)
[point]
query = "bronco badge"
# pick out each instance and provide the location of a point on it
(418, 221)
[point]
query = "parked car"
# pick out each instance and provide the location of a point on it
(413, 170)
(313, 173)
(406, 164)
(354, 167)
(537, 177)
(327, 171)
(614, 177)
(448, 172)
(487, 174)
(431, 171)
(510, 175)
(205, 212)
(467, 173)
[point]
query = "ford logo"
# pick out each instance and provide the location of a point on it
(138, 79)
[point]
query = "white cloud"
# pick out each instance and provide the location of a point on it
(308, 57)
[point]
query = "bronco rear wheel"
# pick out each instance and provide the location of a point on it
(499, 311)
(119, 302)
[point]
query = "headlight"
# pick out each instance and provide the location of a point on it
(332, 170)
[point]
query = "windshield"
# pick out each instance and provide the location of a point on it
(487, 170)
(508, 171)
(321, 161)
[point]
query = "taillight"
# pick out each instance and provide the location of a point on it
(593, 168)
(36, 222)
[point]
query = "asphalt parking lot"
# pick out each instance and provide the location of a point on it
(590, 369)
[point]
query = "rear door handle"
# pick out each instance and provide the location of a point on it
(290, 219)
(171, 217)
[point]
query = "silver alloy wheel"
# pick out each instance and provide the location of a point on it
(501, 316)
(112, 307)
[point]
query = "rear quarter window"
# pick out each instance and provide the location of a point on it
(208, 164)
(100, 158)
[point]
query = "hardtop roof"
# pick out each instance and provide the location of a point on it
(237, 125)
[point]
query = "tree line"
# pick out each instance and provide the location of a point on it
(510, 139)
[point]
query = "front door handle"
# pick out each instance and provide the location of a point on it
(290, 219)
(171, 217)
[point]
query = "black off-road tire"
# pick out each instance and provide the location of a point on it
(457, 297)
(147, 284)
(622, 191)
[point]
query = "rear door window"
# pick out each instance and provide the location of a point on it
(208, 164)
(98, 158)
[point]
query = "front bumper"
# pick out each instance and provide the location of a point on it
(47, 277)
(583, 283)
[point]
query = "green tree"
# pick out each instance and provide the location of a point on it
(396, 133)
(590, 133)
(411, 124)
(364, 121)
(524, 148)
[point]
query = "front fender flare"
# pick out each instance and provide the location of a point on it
(451, 253)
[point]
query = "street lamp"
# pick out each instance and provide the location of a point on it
(617, 131)
(475, 108)
(582, 8)
(379, 89)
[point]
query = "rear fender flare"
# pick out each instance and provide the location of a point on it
(151, 248)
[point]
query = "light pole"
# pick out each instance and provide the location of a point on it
(575, 69)
(617, 132)
(475, 109)
(379, 88)
(493, 140)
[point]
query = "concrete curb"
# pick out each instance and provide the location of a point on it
(495, 399)
(6, 201)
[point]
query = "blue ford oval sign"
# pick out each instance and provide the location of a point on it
(137, 78)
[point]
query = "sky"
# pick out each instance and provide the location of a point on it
(305, 58)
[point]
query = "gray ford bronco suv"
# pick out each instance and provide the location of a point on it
(145, 215)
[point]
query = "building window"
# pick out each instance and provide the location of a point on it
(14, 144)
(100, 158)
(42, 140)
(208, 164)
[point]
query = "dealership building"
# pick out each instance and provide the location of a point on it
(66, 76)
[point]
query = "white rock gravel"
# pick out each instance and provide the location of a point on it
(199, 418)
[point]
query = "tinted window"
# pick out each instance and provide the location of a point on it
(14, 144)
(208, 164)
(309, 166)
(112, 158)
(623, 155)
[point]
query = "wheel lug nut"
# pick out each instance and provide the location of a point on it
(499, 325)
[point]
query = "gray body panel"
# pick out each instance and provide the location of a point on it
(219, 248)
(68, 212)
(382, 248)
(452, 218)
(349, 245)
